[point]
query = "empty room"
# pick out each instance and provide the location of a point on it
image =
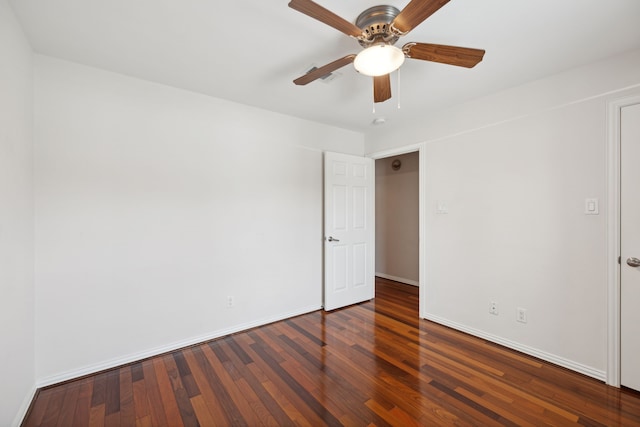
(412, 212)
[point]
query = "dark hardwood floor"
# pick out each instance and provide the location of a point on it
(371, 364)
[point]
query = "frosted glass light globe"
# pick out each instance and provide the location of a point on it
(378, 60)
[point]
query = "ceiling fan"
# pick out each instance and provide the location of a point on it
(377, 29)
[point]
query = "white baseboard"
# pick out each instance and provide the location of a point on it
(398, 279)
(24, 407)
(113, 363)
(548, 357)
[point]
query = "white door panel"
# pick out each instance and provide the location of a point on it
(349, 230)
(630, 246)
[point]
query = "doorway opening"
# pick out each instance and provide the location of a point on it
(397, 213)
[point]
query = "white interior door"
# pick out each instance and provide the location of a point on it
(630, 247)
(349, 230)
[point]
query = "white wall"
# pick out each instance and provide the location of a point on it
(16, 221)
(514, 169)
(397, 229)
(154, 204)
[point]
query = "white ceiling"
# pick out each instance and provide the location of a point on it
(250, 51)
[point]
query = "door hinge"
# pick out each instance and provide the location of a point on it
(619, 260)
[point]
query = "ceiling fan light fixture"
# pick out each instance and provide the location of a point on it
(378, 60)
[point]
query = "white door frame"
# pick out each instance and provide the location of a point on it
(422, 288)
(614, 108)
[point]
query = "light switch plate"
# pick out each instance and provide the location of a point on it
(591, 207)
(441, 207)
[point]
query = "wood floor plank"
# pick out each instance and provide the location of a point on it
(68, 408)
(244, 363)
(154, 397)
(54, 405)
(291, 409)
(290, 383)
(230, 410)
(514, 419)
(143, 422)
(202, 411)
(209, 397)
(112, 420)
(180, 394)
(137, 373)
(112, 393)
(185, 374)
(98, 395)
(237, 366)
(169, 404)
(140, 400)
(39, 406)
(388, 391)
(371, 364)
(237, 406)
(382, 412)
(127, 408)
(330, 388)
(96, 416)
(83, 406)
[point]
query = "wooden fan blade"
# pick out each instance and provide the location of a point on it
(318, 12)
(452, 55)
(381, 88)
(324, 70)
(414, 13)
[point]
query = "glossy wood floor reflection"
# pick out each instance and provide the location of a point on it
(371, 364)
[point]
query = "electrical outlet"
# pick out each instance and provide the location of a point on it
(493, 307)
(230, 301)
(521, 315)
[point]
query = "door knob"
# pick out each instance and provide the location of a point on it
(331, 239)
(633, 262)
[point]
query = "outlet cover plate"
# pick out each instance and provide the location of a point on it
(493, 308)
(521, 315)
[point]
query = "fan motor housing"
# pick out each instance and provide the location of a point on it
(375, 24)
